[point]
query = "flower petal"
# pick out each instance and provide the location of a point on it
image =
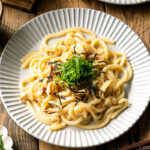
(3, 131)
(7, 141)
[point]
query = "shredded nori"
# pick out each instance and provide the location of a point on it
(78, 100)
(53, 105)
(94, 56)
(76, 74)
(41, 80)
(53, 62)
(81, 54)
(74, 48)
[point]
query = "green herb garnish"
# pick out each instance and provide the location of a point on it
(1, 143)
(77, 69)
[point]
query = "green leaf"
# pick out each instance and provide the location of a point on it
(1, 143)
(77, 69)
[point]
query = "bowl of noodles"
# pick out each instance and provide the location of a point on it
(75, 77)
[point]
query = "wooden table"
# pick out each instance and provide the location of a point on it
(137, 17)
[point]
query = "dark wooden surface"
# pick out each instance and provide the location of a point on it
(137, 17)
(24, 4)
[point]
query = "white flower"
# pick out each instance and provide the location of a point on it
(7, 141)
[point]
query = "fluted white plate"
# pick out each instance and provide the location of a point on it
(28, 38)
(125, 2)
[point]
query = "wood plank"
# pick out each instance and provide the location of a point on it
(1, 10)
(46, 5)
(45, 146)
(138, 18)
(12, 20)
(49, 5)
(24, 4)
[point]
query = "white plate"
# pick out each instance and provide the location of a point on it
(125, 2)
(29, 37)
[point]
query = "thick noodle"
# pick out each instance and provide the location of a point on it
(58, 106)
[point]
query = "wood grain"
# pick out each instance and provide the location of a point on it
(137, 17)
(45, 146)
(49, 5)
(12, 20)
(1, 10)
(24, 4)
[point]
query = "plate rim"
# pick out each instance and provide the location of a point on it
(126, 4)
(62, 145)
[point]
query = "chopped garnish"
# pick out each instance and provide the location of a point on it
(102, 72)
(101, 62)
(86, 99)
(94, 56)
(77, 69)
(52, 62)
(59, 99)
(81, 54)
(58, 96)
(74, 48)
(79, 91)
(78, 100)
(95, 90)
(53, 105)
(41, 80)
(101, 91)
